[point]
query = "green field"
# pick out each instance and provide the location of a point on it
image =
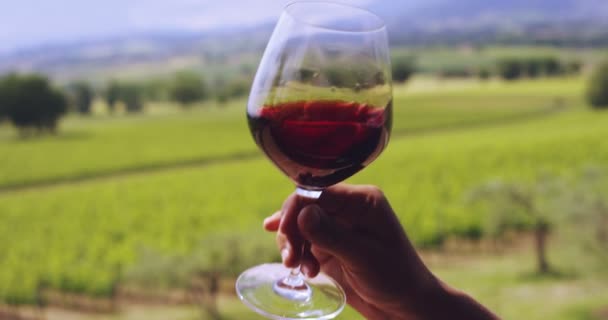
(143, 182)
(104, 145)
(501, 282)
(441, 58)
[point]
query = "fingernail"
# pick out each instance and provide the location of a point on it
(305, 271)
(284, 254)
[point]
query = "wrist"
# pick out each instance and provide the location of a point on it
(444, 302)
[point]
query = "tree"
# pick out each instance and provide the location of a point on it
(597, 88)
(3, 107)
(112, 94)
(510, 69)
(514, 204)
(31, 103)
(340, 77)
(235, 89)
(82, 97)
(551, 66)
(130, 94)
(484, 74)
(187, 88)
(533, 67)
(574, 67)
(154, 89)
(403, 68)
(587, 206)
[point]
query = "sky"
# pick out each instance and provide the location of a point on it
(28, 23)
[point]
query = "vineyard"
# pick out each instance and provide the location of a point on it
(78, 210)
(105, 144)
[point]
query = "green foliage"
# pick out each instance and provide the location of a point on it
(484, 74)
(403, 68)
(163, 142)
(3, 107)
(188, 88)
(155, 89)
(363, 76)
(551, 66)
(340, 77)
(130, 94)
(585, 203)
(514, 68)
(597, 90)
(112, 94)
(510, 69)
(82, 96)
(533, 67)
(189, 214)
(307, 75)
(224, 254)
(573, 67)
(30, 102)
(234, 89)
(517, 205)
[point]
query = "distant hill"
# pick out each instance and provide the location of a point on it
(412, 22)
(559, 22)
(521, 10)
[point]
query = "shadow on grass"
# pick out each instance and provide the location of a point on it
(551, 275)
(60, 136)
(130, 171)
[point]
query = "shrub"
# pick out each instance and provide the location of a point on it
(30, 102)
(131, 96)
(532, 67)
(112, 94)
(574, 67)
(597, 90)
(484, 73)
(233, 90)
(550, 66)
(510, 69)
(403, 69)
(456, 72)
(82, 97)
(188, 88)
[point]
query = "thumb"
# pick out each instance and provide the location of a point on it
(324, 233)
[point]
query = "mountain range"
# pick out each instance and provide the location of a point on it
(413, 22)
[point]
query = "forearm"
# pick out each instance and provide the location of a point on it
(448, 303)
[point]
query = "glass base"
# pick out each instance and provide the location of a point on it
(262, 289)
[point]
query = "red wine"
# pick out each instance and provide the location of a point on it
(320, 143)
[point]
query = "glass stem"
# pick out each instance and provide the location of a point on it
(293, 287)
(295, 278)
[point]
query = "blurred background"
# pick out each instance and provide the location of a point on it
(130, 187)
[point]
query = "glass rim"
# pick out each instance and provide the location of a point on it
(381, 24)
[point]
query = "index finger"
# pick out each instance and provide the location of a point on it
(354, 203)
(289, 227)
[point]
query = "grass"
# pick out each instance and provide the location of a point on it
(441, 58)
(500, 282)
(89, 147)
(503, 284)
(106, 145)
(78, 236)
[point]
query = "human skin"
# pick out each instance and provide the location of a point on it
(352, 234)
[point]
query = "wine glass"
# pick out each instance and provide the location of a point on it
(321, 109)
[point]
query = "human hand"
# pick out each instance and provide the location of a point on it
(352, 234)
